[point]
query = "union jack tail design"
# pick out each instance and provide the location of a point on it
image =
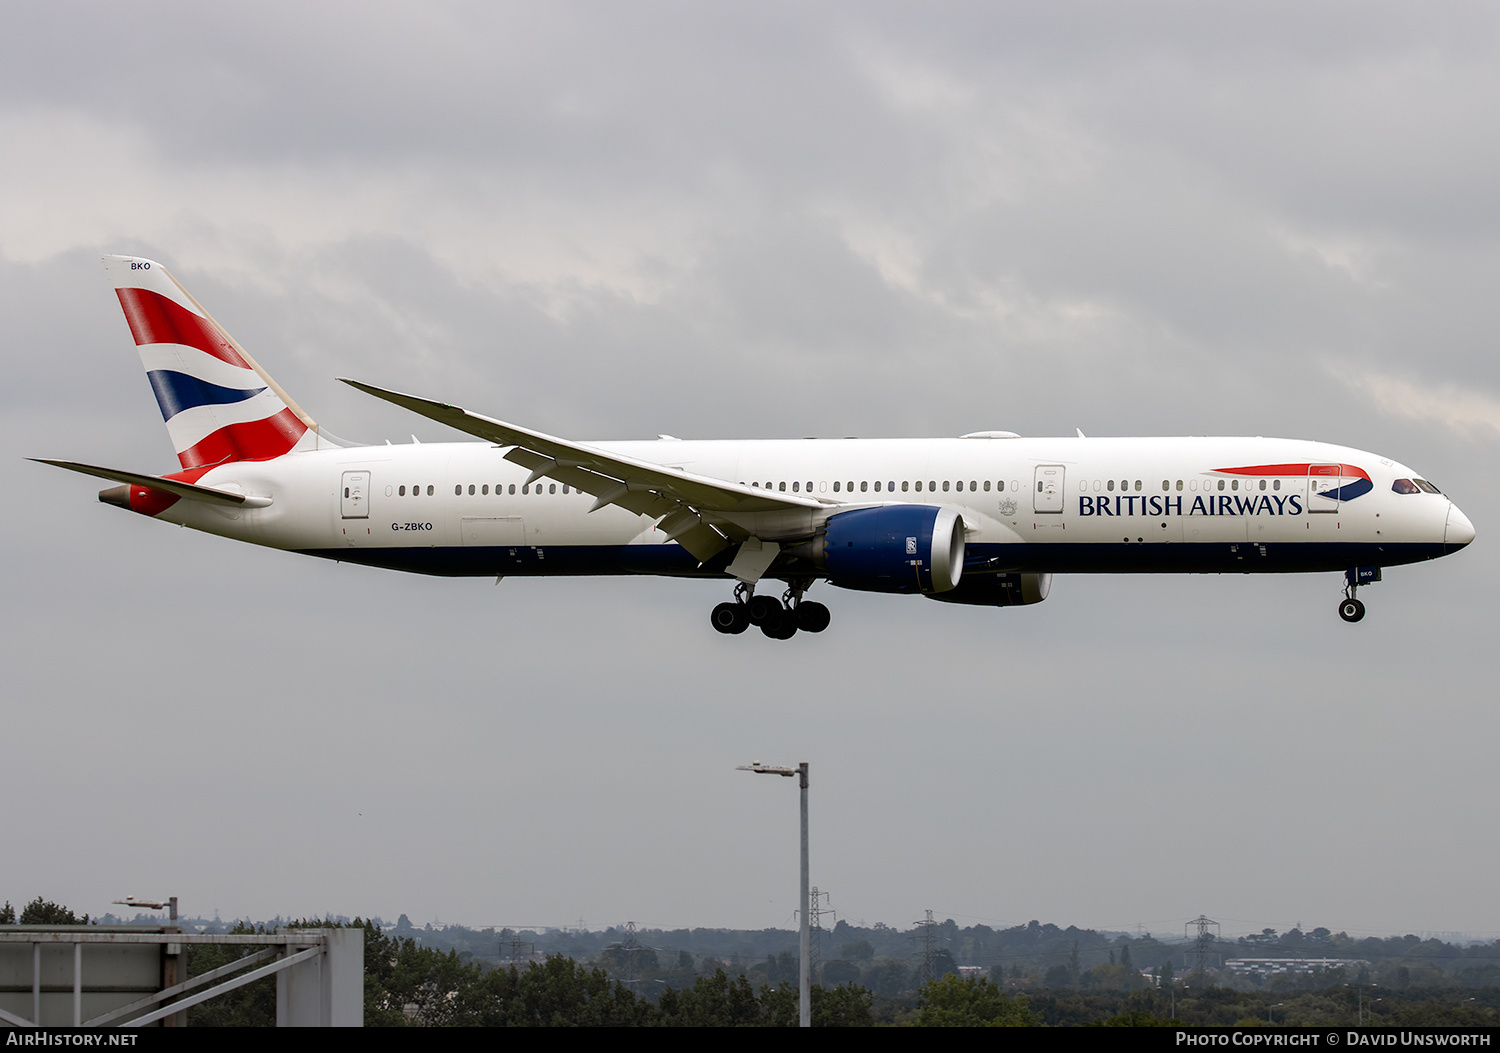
(218, 404)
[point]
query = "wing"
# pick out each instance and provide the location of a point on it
(700, 513)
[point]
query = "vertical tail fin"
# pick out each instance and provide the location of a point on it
(219, 406)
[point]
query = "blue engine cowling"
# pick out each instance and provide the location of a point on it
(894, 548)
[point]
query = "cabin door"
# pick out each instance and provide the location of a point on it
(1047, 497)
(1322, 480)
(354, 501)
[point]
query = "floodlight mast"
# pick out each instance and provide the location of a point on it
(169, 904)
(804, 935)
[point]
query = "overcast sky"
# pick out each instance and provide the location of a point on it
(743, 221)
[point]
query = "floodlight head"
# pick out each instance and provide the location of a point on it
(766, 769)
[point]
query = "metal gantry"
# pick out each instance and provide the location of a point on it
(319, 974)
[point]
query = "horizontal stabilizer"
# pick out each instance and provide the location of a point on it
(191, 491)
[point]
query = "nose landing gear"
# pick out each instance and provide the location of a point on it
(1351, 609)
(778, 619)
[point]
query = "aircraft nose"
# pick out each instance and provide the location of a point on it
(1459, 531)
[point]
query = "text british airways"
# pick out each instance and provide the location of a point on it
(1209, 505)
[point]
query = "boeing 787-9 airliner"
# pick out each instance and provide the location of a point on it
(985, 519)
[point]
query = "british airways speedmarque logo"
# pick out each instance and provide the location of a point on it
(1337, 482)
(1330, 482)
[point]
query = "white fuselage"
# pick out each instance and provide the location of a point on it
(1043, 505)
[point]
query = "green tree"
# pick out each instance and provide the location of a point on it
(45, 912)
(840, 972)
(858, 951)
(712, 1001)
(955, 1001)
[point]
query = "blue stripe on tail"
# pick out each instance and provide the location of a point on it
(176, 392)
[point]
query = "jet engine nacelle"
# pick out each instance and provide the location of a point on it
(999, 590)
(894, 548)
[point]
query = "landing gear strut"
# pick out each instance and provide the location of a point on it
(1351, 609)
(778, 619)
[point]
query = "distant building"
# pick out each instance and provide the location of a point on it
(1265, 968)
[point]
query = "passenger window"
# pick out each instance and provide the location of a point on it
(484, 490)
(1166, 485)
(782, 487)
(877, 486)
(1179, 484)
(401, 491)
(512, 487)
(1235, 485)
(1000, 486)
(904, 484)
(1276, 485)
(945, 486)
(525, 488)
(552, 488)
(1110, 485)
(429, 490)
(863, 486)
(1262, 484)
(471, 489)
(919, 486)
(1221, 484)
(796, 488)
(1137, 485)
(835, 486)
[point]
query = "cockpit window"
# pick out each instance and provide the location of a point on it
(1425, 485)
(1405, 486)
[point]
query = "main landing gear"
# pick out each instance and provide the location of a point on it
(778, 619)
(1351, 609)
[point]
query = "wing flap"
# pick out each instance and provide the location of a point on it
(641, 502)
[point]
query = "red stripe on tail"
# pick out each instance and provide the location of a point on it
(256, 440)
(154, 319)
